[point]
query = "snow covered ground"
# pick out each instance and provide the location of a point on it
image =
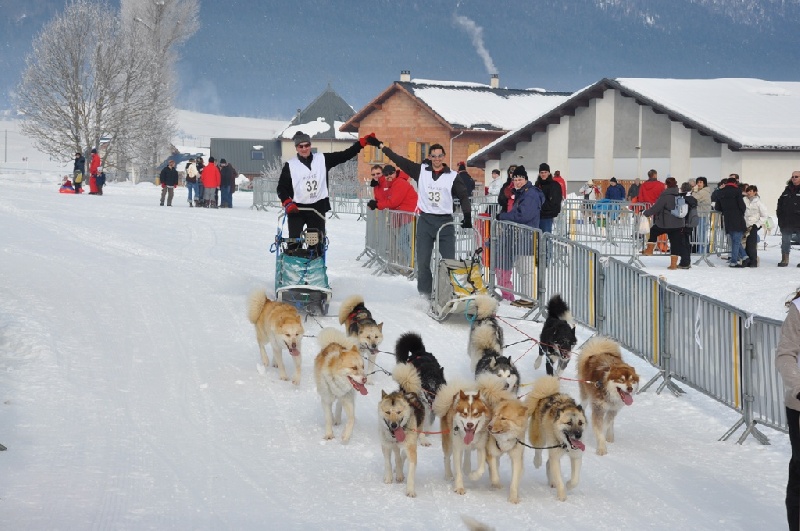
(130, 396)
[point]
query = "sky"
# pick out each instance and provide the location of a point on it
(268, 59)
(131, 396)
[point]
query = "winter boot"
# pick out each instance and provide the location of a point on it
(784, 260)
(191, 205)
(673, 262)
(649, 249)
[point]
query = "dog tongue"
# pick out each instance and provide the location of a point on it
(577, 443)
(468, 436)
(399, 434)
(626, 397)
(360, 387)
(294, 351)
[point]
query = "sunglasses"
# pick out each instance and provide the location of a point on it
(376, 174)
(795, 176)
(304, 146)
(441, 156)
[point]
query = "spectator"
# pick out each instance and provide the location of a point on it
(79, 172)
(304, 183)
(437, 185)
(100, 180)
(731, 204)
(633, 191)
(651, 189)
(788, 213)
(506, 193)
(378, 183)
(615, 192)
(690, 223)
(495, 184)
(466, 178)
(191, 181)
(400, 196)
(560, 180)
(211, 179)
(755, 215)
(665, 223)
(169, 180)
(787, 361)
(94, 164)
(590, 193)
(200, 188)
(526, 211)
(702, 193)
(552, 198)
(226, 184)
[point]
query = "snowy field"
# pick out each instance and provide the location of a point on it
(130, 396)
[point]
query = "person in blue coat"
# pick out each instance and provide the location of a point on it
(526, 210)
(615, 192)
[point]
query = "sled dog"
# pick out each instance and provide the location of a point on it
(360, 325)
(557, 424)
(614, 383)
(401, 415)
(339, 373)
(410, 349)
(465, 419)
(557, 338)
(278, 324)
(506, 432)
(487, 328)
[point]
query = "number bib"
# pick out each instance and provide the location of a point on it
(435, 197)
(310, 185)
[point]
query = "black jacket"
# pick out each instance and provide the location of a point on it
(286, 188)
(788, 210)
(731, 203)
(169, 176)
(227, 176)
(80, 164)
(552, 197)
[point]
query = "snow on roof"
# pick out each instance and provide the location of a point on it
(201, 127)
(501, 109)
(755, 113)
(440, 83)
(317, 127)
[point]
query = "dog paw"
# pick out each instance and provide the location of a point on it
(345, 440)
(284, 378)
(562, 496)
(495, 486)
(400, 478)
(388, 479)
(328, 437)
(411, 494)
(601, 450)
(296, 381)
(610, 437)
(513, 499)
(537, 462)
(448, 476)
(261, 369)
(461, 491)
(571, 484)
(423, 441)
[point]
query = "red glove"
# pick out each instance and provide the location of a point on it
(163, 185)
(363, 140)
(290, 206)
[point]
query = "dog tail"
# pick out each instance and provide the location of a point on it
(485, 306)
(348, 305)
(484, 338)
(595, 346)
(255, 304)
(542, 388)
(446, 395)
(407, 377)
(408, 344)
(330, 335)
(493, 389)
(558, 309)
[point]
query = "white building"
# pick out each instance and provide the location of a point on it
(681, 127)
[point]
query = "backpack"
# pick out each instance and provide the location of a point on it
(681, 208)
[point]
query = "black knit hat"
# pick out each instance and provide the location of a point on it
(544, 167)
(223, 161)
(300, 137)
(519, 171)
(388, 170)
(613, 179)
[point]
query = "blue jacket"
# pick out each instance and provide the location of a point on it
(527, 207)
(616, 192)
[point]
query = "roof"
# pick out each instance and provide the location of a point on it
(322, 118)
(744, 113)
(461, 105)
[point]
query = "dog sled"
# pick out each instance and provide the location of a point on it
(301, 276)
(456, 281)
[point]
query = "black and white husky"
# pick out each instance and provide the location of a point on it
(557, 338)
(486, 345)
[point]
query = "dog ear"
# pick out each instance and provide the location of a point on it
(383, 394)
(493, 362)
(380, 327)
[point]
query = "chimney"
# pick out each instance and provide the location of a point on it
(405, 75)
(494, 82)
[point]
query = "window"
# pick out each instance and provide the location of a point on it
(256, 155)
(373, 155)
(418, 151)
(472, 148)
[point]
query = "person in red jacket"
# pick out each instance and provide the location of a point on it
(93, 166)
(560, 180)
(378, 183)
(650, 189)
(211, 180)
(400, 195)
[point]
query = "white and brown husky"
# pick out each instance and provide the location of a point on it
(278, 324)
(360, 325)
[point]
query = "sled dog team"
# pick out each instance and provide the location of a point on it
(484, 415)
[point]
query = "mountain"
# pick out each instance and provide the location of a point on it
(270, 59)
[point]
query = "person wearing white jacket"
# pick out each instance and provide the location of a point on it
(787, 361)
(191, 180)
(755, 215)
